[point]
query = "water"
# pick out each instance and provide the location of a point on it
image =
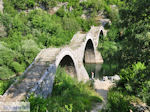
(100, 70)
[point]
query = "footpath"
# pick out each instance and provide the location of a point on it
(102, 88)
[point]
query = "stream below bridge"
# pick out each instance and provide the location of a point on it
(100, 70)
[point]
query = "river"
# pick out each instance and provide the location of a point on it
(100, 70)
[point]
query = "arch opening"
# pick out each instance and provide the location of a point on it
(89, 54)
(101, 34)
(68, 64)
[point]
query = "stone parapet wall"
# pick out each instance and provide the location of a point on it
(45, 85)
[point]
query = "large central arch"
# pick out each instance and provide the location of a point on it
(89, 52)
(69, 66)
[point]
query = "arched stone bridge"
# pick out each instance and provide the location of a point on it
(39, 76)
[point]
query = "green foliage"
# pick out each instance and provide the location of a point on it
(120, 101)
(5, 72)
(127, 45)
(6, 55)
(68, 95)
(17, 68)
(135, 81)
(71, 24)
(4, 85)
(117, 102)
(29, 50)
(37, 104)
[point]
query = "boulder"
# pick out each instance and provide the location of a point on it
(115, 78)
(105, 78)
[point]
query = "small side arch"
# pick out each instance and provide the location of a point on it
(89, 52)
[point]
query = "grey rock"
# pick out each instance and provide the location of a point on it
(116, 77)
(105, 78)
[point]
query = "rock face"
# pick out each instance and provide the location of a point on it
(1, 6)
(111, 78)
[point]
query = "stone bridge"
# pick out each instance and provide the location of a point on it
(39, 76)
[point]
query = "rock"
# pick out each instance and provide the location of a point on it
(105, 78)
(105, 21)
(115, 77)
(83, 16)
(111, 78)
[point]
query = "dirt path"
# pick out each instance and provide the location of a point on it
(101, 88)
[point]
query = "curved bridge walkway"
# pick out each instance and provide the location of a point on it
(39, 76)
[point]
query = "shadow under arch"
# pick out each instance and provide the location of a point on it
(101, 34)
(89, 53)
(68, 64)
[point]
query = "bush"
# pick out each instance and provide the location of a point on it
(16, 67)
(5, 73)
(117, 102)
(4, 85)
(71, 24)
(6, 55)
(29, 50)
(135, 81)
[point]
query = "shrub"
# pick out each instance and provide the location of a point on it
(29, 50)
(6, 55)
(4, 85)
(71, 24)
(118, 102)
(135, 81)
(16, 67)
(5, 73)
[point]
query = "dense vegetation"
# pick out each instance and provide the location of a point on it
(68, 95)
(126, 47)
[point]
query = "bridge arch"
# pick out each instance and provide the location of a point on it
(101, 34)
(89, 52)
(66, 60)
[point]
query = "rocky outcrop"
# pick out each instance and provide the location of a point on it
(111, 78)
(55, 9)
